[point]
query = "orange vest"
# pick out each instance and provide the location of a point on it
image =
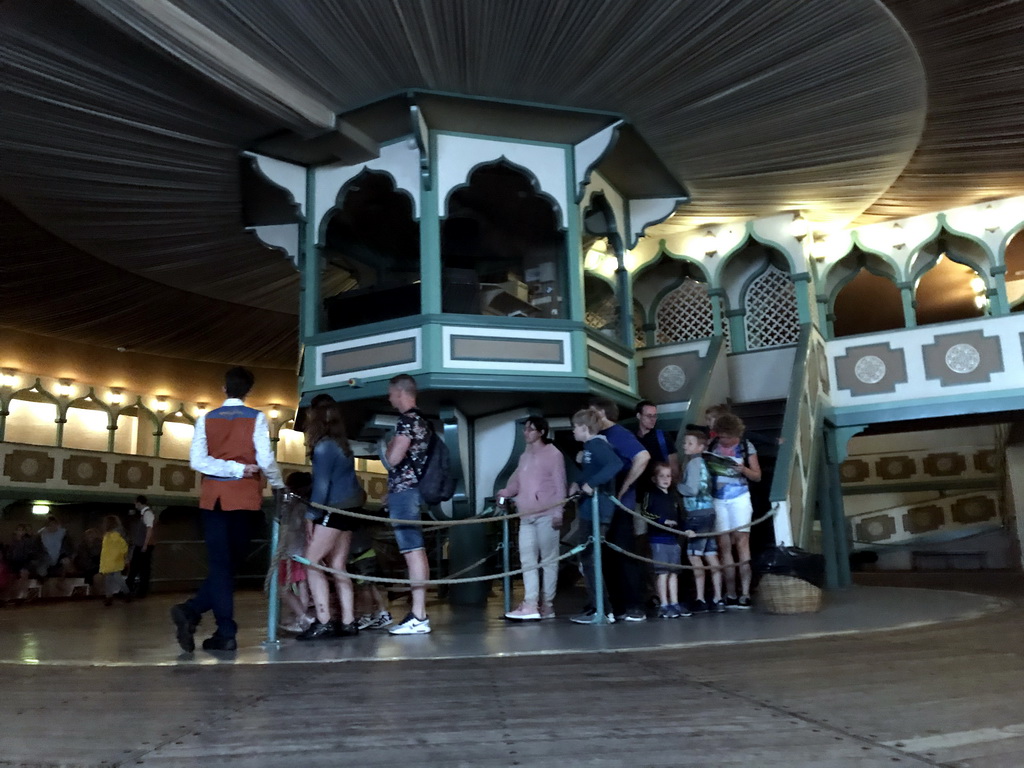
(229, 436)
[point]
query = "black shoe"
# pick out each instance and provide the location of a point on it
(218, 643)
(318, 631)
(699, 606)
(186, 622)
(744, 602)
(346, 630)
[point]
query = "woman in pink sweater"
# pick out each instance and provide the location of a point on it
(538, 486)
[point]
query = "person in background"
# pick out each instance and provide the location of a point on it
(733, 508)
(113, 560)
(86, 561)
(56, 549)
(231, 449)
(294, 540)
(658, 443)
(538, 485)
(662, 506)
(405, 458)
(599, 466)
(627, 577)
(702, 551)
(140, 563)
(334, 485)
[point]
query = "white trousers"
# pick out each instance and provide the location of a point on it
(538, 543)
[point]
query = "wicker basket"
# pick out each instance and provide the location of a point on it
(787, 594)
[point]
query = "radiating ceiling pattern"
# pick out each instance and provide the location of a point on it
(121, 122)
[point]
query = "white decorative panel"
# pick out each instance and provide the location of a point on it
(772, 318)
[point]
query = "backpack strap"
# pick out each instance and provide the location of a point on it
(663, 442)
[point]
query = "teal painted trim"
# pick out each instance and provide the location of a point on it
(767, 349)
(310, 301)
(837, 443)
(530, 176)
(832, 483)
(909, 306)
(573, 260)
(992, 255)
(1006, 240)
(862, 262)
(950, 484)
(665, 251)
(803, 301)
(898, 272)
(713, 358)
(625, 287)
(127, 495)
(636, 235)
(370, 330)
(828, 517)
(791, 419)
(813, 486)
(433, 348)
(503, 139)
(926, 408)
(737, 333)
(608, 343)
(430, 239)
(794, 263)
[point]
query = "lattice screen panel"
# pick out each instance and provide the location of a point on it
(772, 318)
(685, 314)
(603, 314)
(639, 337)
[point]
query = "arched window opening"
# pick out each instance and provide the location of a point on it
(176, 437)
(136, 428)
(685, 314)
(86, 427)
(291, 445)
(600, 240)
(772, 317)
(949, 291)
(32, 419)
(502, 248)
(866, 298)
(639, 334)
(371, 254)
(1015, 272)
(602, 308)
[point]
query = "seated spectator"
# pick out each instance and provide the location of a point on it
(23, 556)
(56, 549)
(86, 560)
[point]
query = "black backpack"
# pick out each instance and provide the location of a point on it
(436, 481)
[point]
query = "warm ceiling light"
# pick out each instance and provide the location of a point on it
(200, 407)
(40, 509)
(980, 301)
(161, 404)
(592, 261)
(65, 388)
(274, 413)
(116, 396)
(977, 284)
(9, 378)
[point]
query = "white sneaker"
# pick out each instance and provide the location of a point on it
(525, 612)
(411, 626)
(381, 620)
(365, 621)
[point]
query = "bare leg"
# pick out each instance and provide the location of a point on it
(716, 576)
(419, 570)
(339, 559)
(323, 541)
(661, 580)
(698, 575)
(742, 539)
(673, 588)
(728, 563)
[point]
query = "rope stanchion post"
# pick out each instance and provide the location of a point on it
(506, 580)
(273, 607)
(599, 606)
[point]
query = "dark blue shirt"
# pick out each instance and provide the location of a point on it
(626, 447)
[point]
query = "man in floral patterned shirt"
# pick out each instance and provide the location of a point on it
(406, 457)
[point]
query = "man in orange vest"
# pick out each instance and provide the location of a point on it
(231, 448)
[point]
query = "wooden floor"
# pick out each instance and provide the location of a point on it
(948, 694)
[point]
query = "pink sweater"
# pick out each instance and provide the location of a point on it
(538, 483)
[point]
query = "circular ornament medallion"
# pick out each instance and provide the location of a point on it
(869, 369)
(671, 378)
(962, 358)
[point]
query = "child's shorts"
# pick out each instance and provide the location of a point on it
(702, 521)
(666, 553)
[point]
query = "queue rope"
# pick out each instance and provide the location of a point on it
(673, 566)
(768, 515)
(436, 523)
(427, 582)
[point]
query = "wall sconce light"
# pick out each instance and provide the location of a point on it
(799, 228)
(200, 408)
(710, 243)
(9, 378)
(990, 218)
(161, 404)
(274, 412)
(65, 388)
(979, 289)
(899, 240)
(116, 396)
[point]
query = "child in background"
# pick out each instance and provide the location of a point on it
(695, 488)
(113, 559)
(600, 465)
(371, 608)
(293, 541)
(662, 506)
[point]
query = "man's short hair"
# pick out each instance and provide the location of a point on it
(141, 499)
(588, 418)
(404, 383)
(729, 425)
(606, 404)
(643, 404)
(238, 381)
